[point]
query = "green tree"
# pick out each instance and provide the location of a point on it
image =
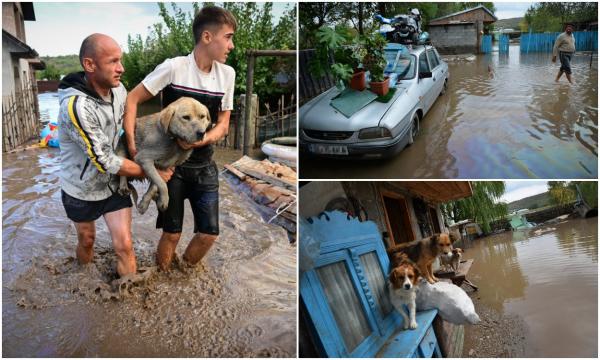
(256, 30)
(562, 192)
(551, 16)
(50, 73)
(483, 207)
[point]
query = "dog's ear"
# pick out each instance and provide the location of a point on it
(417, 273)
(393, 276)
(166, 115)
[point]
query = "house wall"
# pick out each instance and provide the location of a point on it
(12, 20)
(315, 195)
(455, 39)
(8, 83)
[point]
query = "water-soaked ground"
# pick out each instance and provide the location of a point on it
(547, 278)
(503, 117)
(241, 302)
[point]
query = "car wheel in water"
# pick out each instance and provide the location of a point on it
(444, 88)
(414, 129)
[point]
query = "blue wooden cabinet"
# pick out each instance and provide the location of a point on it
(346, 297)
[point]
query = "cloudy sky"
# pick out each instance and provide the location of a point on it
(516, 190)
(507, 10)
(60, 28)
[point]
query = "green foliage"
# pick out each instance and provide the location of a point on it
(562, 192)
(374, 60)
(337, 52)
(589, 192)
(482, 207)
(550, 16)
(255, 30)
(50, 73)
(565, 192)
(61, 65)
(357, 17)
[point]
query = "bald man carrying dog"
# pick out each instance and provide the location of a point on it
(92, 104)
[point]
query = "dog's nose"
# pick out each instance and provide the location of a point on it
(407, 286)
(200, 135)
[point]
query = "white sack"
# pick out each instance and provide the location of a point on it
(452, 302)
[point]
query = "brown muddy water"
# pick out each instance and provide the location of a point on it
(548, 277)
(241, 302)
(502, 117)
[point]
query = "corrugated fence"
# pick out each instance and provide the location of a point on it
(544, 42)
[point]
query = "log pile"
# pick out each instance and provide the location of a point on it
(272, 186)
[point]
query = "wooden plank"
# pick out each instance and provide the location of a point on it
(235, 172)
(266, 177)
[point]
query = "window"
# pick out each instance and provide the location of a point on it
(401, 63)
(344, 304)
(433, 59)
(423, 64)
(345, 294)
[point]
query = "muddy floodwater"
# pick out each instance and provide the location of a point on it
(503, 117)
(548, 277)
(241, 302)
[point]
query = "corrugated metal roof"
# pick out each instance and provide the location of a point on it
(466, 11)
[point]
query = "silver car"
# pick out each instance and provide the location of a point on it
(378, 129)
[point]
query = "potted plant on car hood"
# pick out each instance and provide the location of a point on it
(337, 51)
(374, 61)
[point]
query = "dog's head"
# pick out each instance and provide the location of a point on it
(186, 119)
(457, 252)
(405, 275)
(443, 243)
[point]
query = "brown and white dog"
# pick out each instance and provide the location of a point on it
(424, 252)
(452, 260)
(404, 280)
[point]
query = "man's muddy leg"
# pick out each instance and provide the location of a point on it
(166, 249)
(86, 235)
(119, 225)
(569, 78)
(198, 247)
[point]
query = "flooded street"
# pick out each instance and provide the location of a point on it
(503, 116)
(547, 277)
(240, 303)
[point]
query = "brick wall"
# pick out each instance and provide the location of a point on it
(454, 39)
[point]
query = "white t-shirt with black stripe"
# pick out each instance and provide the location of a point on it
(182, 73)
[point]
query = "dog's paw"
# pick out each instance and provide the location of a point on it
(124, 191)
(162, 203)
(413, 324)
(143, 206)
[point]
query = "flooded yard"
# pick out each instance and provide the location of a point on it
(503, 116)
(548, 279)
(241, 302)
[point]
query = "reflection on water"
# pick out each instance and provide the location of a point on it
(240, 303)
(502, 117)
(547, 277)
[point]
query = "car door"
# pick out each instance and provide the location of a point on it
(425, 85)
(437, 72)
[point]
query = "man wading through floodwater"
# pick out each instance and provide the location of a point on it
(203, 76)
(564, 48)
(92, 104)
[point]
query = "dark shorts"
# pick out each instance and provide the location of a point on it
(86, 211)
(201, 187)
(565, 62)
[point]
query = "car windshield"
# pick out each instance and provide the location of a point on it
(401, 63)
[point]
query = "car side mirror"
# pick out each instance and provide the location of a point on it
(425, 74)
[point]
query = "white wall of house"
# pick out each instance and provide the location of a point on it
(315, 195)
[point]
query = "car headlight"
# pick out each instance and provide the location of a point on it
(374, 133)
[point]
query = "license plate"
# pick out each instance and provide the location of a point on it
(329, 149)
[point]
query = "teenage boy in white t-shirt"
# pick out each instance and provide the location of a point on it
(204, 76)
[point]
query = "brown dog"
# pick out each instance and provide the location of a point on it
(424, 252)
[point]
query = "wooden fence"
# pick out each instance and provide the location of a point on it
(281, 122)
(310, 85)
(20, 114)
